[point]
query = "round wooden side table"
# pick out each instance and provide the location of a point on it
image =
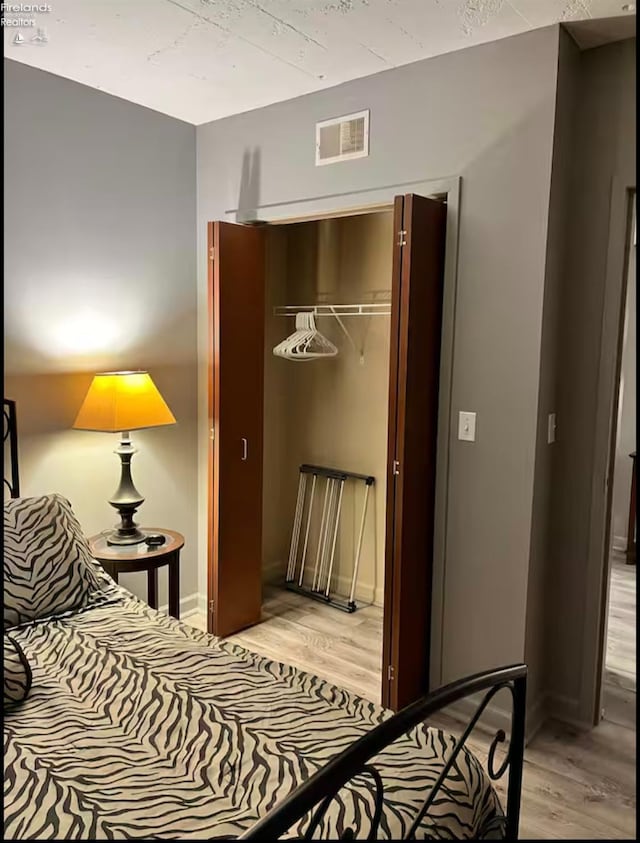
(128, 559)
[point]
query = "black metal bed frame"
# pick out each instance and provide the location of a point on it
(316, 794)
(11, 436)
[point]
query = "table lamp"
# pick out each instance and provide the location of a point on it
(119, 402)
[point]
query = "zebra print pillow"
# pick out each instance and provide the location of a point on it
(17, 673)
(48, 567)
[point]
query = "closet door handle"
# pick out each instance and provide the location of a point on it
(245, 449)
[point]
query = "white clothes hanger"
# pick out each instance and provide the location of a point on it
(306, 343)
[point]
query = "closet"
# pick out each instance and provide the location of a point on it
(370, 285)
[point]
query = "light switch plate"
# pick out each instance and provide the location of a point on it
(551, 428)
(467, 427)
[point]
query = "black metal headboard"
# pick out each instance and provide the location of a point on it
(12, 477)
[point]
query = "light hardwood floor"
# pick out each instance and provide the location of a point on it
(619, 685)
(621, 627)
(575, 785)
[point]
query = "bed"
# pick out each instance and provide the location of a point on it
(123, 723)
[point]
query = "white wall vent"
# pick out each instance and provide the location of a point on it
(342, 138)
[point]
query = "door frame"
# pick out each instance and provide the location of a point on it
(372, 200)
(597, 594)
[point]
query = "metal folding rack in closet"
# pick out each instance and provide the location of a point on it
(324, 555)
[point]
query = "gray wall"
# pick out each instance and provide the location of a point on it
(559, 207)
(627, 415)
(486, 114)
(100, 275)
(603, 167)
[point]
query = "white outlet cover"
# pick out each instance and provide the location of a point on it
(467, 427)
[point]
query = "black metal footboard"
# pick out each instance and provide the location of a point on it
(316, 794)
(12, 482)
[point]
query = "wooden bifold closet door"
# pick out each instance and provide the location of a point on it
(416, 319)
(236, 373)
(236, 318)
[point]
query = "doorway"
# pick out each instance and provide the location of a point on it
(239, 377)
(618, 697)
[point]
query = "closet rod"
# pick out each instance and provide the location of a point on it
(378, 309)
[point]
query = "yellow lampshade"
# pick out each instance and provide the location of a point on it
(122, 401)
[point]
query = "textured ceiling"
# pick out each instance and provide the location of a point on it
(199, 60)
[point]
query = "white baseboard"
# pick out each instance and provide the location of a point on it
(497, 716)
(546, 706)
(619, 543)
(189, 605)
(493, 718)
(365, 592)
(537, 713)
(273, 573)
(567, 710)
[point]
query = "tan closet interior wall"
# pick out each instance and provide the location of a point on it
(329, 412)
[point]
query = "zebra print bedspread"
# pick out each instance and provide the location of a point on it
(48, 569)
(138, 726)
